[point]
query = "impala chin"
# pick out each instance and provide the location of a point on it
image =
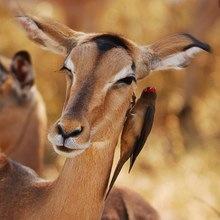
(68, 148)
(61, 150)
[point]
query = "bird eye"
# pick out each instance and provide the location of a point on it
(127, 80)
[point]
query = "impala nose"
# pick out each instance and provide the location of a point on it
(66, 134)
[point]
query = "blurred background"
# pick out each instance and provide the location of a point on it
(178, 170)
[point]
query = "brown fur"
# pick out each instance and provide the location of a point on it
(22, 122)
(124, 204)
(79, 191)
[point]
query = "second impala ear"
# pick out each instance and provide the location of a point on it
(174, 52)
(22, 69)
(49, 34)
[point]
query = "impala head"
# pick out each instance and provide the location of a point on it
(101, 72)
(16, 79)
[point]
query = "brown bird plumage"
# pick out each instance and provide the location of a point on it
(136, 129)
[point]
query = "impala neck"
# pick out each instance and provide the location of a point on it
(80, 188)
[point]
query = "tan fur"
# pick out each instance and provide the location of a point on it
(89, 172)
(76, 194)
(96, 103)
(22, 123)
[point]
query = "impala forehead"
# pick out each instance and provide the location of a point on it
(88, 61)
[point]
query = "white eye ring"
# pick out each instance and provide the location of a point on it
(125, 72)
(68, 65)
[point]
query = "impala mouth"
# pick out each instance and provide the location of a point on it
(67, 152)
(70, 152)
(67, 147)
(71, 148)
(64, 149)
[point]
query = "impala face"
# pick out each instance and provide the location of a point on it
(101, 70)
(99, 89)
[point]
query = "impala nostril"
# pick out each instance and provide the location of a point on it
(60, 130)
(75, 132)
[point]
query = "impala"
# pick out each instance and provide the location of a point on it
(101, 72)
(124, 204)
(22, 112)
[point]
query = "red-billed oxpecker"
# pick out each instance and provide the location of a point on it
(136, 129)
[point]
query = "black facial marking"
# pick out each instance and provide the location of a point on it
(106, 42)
(196, 43)
(84, 94)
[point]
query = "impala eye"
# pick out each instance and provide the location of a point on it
(64, 68)
(127, 80)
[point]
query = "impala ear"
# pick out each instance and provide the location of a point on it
(174, 52)
(22, 69)
(50, 34)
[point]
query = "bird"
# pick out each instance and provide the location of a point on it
(136, 129)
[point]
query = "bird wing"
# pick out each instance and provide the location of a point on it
(145, 131)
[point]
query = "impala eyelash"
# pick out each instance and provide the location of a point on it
(127, 80)
(64, 68)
